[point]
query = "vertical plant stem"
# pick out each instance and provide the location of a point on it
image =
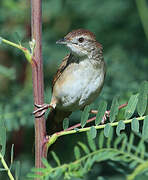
(6, 167)
(37, 76)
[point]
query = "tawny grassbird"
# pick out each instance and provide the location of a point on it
(79, 78)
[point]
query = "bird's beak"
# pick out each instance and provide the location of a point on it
(61, 41)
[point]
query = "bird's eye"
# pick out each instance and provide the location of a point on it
(81, 39)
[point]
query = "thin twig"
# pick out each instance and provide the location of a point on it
(78, 125)
(55, 136)
(123, 105)
(90, 120)
(120, 107)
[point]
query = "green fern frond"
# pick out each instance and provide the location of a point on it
(119, 150)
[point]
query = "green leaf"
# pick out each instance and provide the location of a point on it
(139, 147)
(3, 169)
(101, 111)
(118, 140)
(65, 123)
(17, 37)
(12, 153)
(114, 109)
(88, 164)
(56, 158)
(85, 115)
(120, 126)
(36, 170)
(57, 173)
(142, 152)
(109, 136)
(133, 164)
(93, 132)
(107, 130)
(84, 147)
(17, 170)
(142, 99)
(145, 128)
(135, 125)
(46, 164)
(0, 40)
(2, 134)
(130, 108)
(124, 142)
(129, 146)
(77, 152)
(91, 142)
(31, 175)
(101, 140)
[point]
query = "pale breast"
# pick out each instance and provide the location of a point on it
(79, 84)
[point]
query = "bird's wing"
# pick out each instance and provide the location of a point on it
(63, 65)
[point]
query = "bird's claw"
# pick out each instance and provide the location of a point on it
(39, 105)
(107, 114)
(42, 108)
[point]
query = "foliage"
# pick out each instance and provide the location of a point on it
(118, 150)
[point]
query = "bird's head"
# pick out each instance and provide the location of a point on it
(81, 42)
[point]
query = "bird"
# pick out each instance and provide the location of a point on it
(78, 80)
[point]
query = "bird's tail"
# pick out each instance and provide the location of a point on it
(55, 120)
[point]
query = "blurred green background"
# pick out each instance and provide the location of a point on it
(120, 26)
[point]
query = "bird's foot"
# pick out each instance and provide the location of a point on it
(106, 115)
(42, 108)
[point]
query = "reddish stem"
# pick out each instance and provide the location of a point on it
(123, 105)
(78, 125)
(38, 86)
(90, 120)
